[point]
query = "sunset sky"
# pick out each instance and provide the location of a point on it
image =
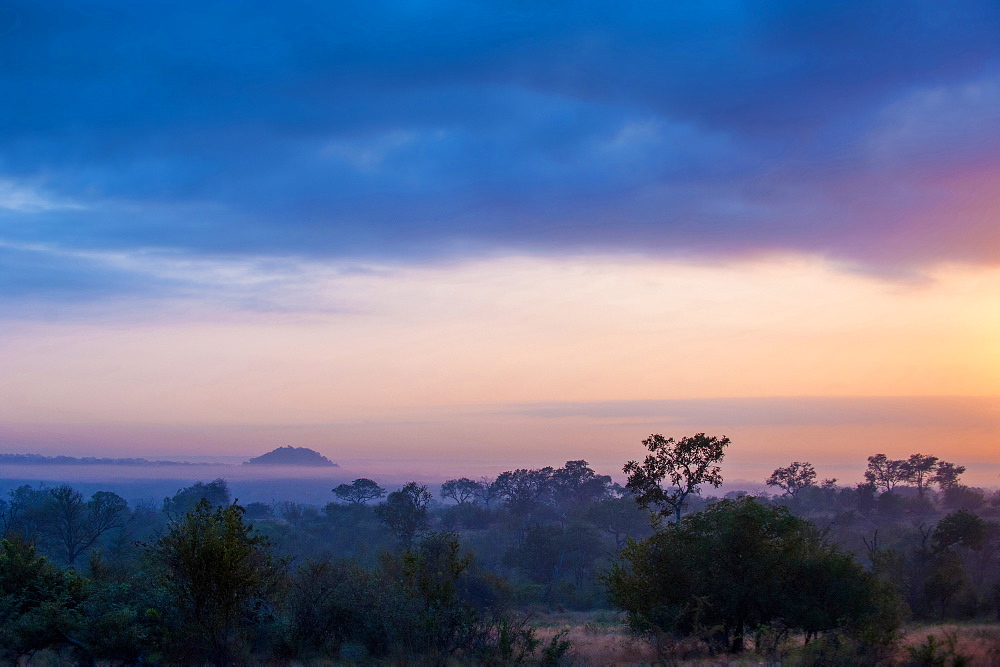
(502, 234)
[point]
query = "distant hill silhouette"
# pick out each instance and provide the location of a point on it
(292, 456)
(38, 459)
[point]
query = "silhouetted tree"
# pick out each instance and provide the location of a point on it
(576, 484)
(215, 492)
(75, 525)
(359, 492)
(25, 513)
(524, 491)
(405, 512)
(685, 465)
(886, 473)
(461, 490)
(919, 470)
(488, 491)
(793, 478)
(946, 475)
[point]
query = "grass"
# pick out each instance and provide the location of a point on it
(976, 643)
(600, 638)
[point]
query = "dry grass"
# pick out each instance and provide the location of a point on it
(979, 643)
(599, 638)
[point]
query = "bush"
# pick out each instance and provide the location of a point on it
(740, 565)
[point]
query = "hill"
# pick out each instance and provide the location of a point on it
(37, 459)
(292, 456)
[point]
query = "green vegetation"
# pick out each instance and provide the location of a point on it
(739, 567)
(818, 574)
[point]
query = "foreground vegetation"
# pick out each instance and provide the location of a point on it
(655, 570)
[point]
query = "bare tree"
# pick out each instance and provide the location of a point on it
(75, 525)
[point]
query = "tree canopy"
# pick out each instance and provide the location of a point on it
(736, 566)
(360, 491)
(793, 478)
(683, 464)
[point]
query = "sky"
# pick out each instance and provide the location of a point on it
(502, 234)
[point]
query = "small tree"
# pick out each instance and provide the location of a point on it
(886, 473)
(25, 513)
(405, 512)
(75, 525)
(461, 490)
(524, 491)
(686, 464)
(488, 491)
(576, 484)
(215, 492)
(359, 492)
(793, 478)
(946, 475)
(919, 470)
(40, 606)
(959, 528)
(218, 573)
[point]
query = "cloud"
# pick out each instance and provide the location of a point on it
(387, 130)
(20, 198)
(825, 411)
(32, 274)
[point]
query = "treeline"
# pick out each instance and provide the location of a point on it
(379, 574)
(202, 578)
(38, 459)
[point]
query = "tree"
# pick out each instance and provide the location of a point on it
(686, 464)
(961, 527)
(964, 497)
(76, 525)
(405, 512)
(736, 566)
(576, 484)
(523, 490)
(793, 478)
(886, 473)
(25, 513)
(919, 470)
(39, 604)
(488, 491)
(429, 576)
(461, 490)
(620, 518)
(215, 492)
(218, 573)
(359, 492)
(946, 475)
(321, 606)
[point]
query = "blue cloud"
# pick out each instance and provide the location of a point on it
(425, 129)
(30, 275)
